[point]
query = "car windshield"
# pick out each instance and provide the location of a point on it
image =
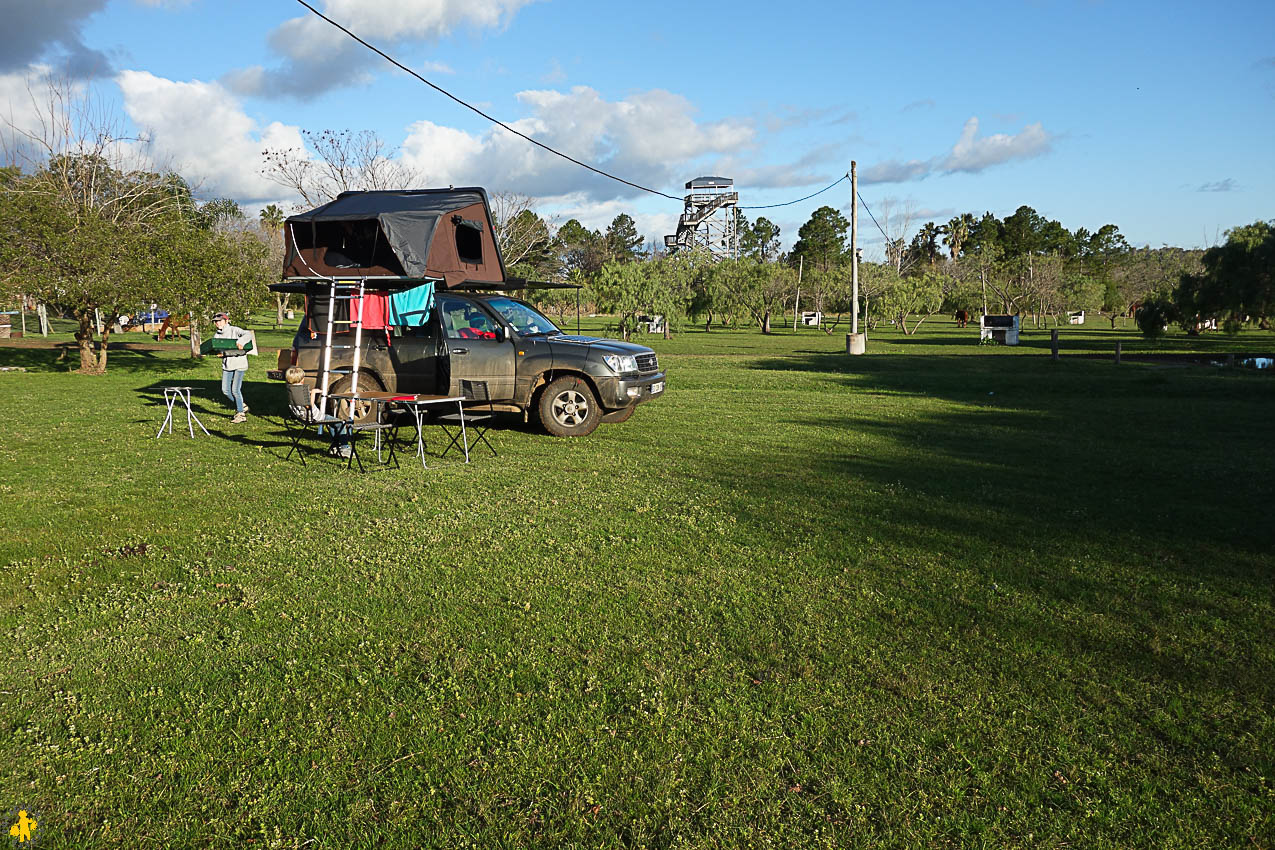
(525, 320)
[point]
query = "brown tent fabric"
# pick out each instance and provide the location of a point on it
(423, 234)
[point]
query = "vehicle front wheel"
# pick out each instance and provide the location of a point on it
(568, 408)
(612, 417)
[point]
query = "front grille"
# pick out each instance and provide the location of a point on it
(647, 363)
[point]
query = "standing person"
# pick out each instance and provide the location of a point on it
(233, 366)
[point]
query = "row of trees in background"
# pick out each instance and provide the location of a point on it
(1024, 264)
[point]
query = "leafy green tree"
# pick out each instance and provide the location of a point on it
(875, 279)
(88, 238)
(1237, 280)
(220, 213)
(916, 295)
(925, 245)
(632, 289)
(1155, 314)
(623, 242)
(272, 218)
(580, 250)
(821, 241)
(760, 241)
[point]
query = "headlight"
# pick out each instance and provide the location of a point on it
(620, 364)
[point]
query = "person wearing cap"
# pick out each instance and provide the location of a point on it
(233, 366)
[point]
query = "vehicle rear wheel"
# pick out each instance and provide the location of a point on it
(568, 408)
(611, 417)
(364, 411)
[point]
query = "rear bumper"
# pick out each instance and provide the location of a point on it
(615, 392)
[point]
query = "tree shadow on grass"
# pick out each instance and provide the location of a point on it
(36, 359)
(1095, 518)
(1178, 457)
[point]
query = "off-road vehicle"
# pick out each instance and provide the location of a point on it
(416, 278)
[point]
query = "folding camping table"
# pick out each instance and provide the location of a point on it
(171, 395)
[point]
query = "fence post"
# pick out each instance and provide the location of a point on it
(1053, 342)
(1117, 353)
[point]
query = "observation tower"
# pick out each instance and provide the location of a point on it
(708, 219)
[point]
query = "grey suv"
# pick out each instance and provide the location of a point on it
(570, 383)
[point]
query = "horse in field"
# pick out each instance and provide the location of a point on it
(174, 324)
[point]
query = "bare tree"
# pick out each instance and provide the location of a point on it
(87, 163)
(895, 218)
(338, 161)
(521, 233)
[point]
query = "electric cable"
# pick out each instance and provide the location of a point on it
(799, 200)
(524, 136)
(874, 218)
(468, 106)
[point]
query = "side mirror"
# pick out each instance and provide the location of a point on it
(504, 333)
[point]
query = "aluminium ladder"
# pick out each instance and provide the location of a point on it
(350, 291)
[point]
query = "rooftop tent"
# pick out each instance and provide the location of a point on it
(421, 234)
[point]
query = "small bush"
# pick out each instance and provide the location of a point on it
(1153, 317)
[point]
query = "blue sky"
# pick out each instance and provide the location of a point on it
(1156, 117)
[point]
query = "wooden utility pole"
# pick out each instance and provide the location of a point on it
(796, 307)
(854, 248)
(855, 343)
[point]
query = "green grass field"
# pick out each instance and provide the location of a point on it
(960, 599)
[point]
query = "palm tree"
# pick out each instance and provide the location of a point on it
(929, 237)
(272, 218)
(272, 221)
(958, 231)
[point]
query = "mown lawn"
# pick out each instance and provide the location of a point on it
(802, 601)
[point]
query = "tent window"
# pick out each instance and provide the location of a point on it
(469, 241)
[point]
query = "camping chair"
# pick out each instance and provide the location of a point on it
(478, 415)
(307, 423)
(376, 428)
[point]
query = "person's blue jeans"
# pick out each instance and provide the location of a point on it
(232, 387)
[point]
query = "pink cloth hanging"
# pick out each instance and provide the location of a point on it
(373, 310)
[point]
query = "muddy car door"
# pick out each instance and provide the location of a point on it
(415, 352)
(478, 347)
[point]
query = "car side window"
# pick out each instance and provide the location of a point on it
(462, 320)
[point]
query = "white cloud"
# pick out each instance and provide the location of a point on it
(893, 171)
(317, 56)
(24, 96)
(650, 138)
(199, 129)
(970, 154)
(808, 170)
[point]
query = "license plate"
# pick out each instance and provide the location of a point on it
(657, 387)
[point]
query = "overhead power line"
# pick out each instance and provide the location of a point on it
(473, 108)
(536, 142)
(884, 235)
(799, 200)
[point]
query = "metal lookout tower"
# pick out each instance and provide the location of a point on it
(709, 218)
